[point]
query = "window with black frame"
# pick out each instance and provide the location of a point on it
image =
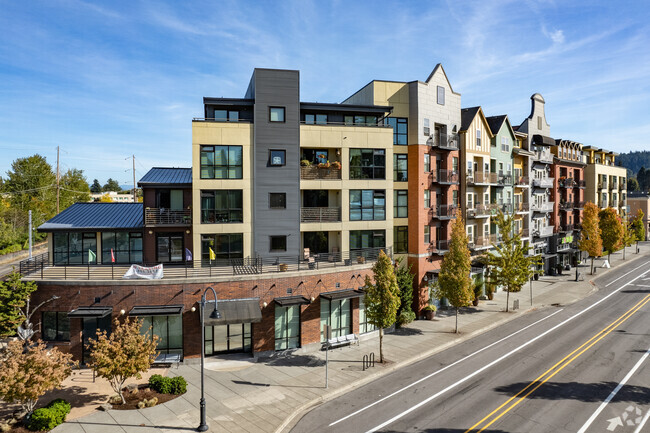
(221, 206)
(367, 205)
(315, 119)
(400, 209)
(224, 247)
(55, 326)
(121, 247)
(401, 239)
(169, 330)
(400, 129)
(362, 239)
(221, 162)
(72, 248)
(360, 120)
(337, 313)
(367, 164)
(400, 167)
(169, 247)
(364, 325)
(287, 327)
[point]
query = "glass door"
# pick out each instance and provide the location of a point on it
(90, 328)
(235, 338)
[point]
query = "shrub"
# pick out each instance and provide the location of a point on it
(430, 307)
(50, 416)
(405, 317)
(168, 385)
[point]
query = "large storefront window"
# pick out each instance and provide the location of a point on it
(336, 313)
(221, 162)
(169, 247)
(364, 326)
(360, 239)
(227, 246)
(367, 205)
(367, 164)
(228, 338)
(71, 248)
(287, 327)
(169, 330)
(125, 247)
(221, 206)
(91, 327)
(56, 326)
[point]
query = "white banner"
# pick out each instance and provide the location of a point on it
(148, 273)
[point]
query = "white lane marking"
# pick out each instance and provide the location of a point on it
(645, 419)
(496, 361)
(613, 393)
(442, 369)
(640, 285)
(627, 273)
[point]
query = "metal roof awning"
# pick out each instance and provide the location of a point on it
(90, 312)
(343, 294)
(234, 311)
(548, 256)
(156, 310)
(543, 140)
(286, 301)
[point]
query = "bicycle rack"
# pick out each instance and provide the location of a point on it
(368, 360)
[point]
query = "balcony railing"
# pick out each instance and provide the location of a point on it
(542, 207)
(503, 178)
(362, 124)
(522, 181)
(479, 210)
(581, 183)
(479, 242)
(546, 182)
(439, 247)
(154, 216)
(622, 186)
(543, 232)
(320, 214)
(221, 120)
(567, 227)
(579, 204)
(543, 156)
(566, 205)
(482, 178)
(444, 176)
(567, 183)
(314, 172)
(613, 185)
(602, 184)
(445, 141)
(523, 206)
(563, 247)
(443, 211)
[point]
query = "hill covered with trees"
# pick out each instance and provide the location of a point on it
(633, 161)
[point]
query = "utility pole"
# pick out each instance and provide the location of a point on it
(135, 198)
(30, 234)
(58, 177)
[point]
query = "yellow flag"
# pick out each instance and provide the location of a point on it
(213, 256)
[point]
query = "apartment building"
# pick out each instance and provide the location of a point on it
(568, 194)
(501, 164)
(426, 120)
(522, 182)
(640, 201)
(606, 183)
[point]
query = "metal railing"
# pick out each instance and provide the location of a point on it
(602, 184)
(544, 231)
(522, 181)
(479, 210)
(313, 172)
(523, 206)
(220, 120)
(362, 124)
(445, 141)
(566, 205)
(602, 204)
(546, 182)
(504, 179)
(567, 227)
(567, 183)
(41, 269)
(482, 177)
(154, 216)
(613, 185)
(581, 183)
(621, 203)
(547, 206)
(480, 242)
(320, 214)
(524, 233)
(579, 204)
(443, 211)
(445, 176)
(543, 156)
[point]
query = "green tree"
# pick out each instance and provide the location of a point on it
(14, 296)
(111, 185)
(96, 187)
(382, 298)
(510, 267)
(633, 185)
(638, 226)
(123, 354)
(454, 281)
(611, 229)
(628, 235)
(74, 188)
(405, 278)
(590, 239)
(642, 179)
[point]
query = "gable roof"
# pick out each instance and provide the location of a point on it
(167, 176)
(495, 122)
(96, 216)
(467, 116)
(435, 69)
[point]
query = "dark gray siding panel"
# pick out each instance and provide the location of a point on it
(276, 88)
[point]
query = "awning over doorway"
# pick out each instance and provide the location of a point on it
(548, 256)
(234, 311)
(90, 312)
(287, 301)
(343, 294)
(156, 310)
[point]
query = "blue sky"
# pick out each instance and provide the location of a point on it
(106, 80)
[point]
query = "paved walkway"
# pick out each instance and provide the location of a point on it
(268, 396)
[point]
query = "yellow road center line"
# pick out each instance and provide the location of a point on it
(601, 334)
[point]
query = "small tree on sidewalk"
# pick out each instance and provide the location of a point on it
(510, 267)
(454, 281)
(611, 229)
(27, 373)
(123, 354)
(404, 277)
(590, 240)
(638, 227)
(382, 298)
(14, 296)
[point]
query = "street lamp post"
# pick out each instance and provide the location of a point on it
(214, 315)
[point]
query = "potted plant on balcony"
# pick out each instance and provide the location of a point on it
(430, 312)
(305, 163)
(336, 165)
(324, 164)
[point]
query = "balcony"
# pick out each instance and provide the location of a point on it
(524, 233)
(443, 211)
(445, 177)
(566, 205)
(313, 172)
(320, 214)
(543, 156)
(546, 182)
(622, 186)
(506, 207)
(439, 247)
(581, 183)
(522, 207)
(579, 205)
(613, 185)
(480, 242)
(445, 141)
(522, 181)
(563, 247)
(542, 207)
(479, 211)
(482, 178)
(567, 183)
(602, 184)
(503, 179)
(567, 227)
(543, 232)
(154, 216)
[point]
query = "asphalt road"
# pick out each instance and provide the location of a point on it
(557, 369)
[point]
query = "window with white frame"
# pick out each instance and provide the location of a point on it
(505, 146)
(470, 233)
(470, 200)
(478, 138)
(426, 129)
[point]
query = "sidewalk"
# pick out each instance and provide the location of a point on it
(270, 395)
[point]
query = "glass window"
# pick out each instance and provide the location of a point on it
(276, 114)
(337, 314)
(278, 243)
(427, 234)
(478, 138)
(400, 167)
(315, 156)
(427, 198)
(169, 330)
(441, 95)
(400, 129)
(277, 157)
(169, 247)
(400, 208)
(277, 200)
(360, 239)
(221, 206)
(287, 327)
(427, 163)
(367, 205)
(223, 246)
(364, 326)
(454, 164)
(221, 162)
(56, 326)
(121, 247)
(74, 248)
(426, 129)
(367, 164)
(401, 239)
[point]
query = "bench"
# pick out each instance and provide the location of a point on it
(168, 358)
(343, 340)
